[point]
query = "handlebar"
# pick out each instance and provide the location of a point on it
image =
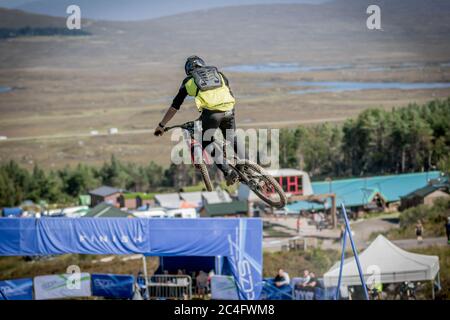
(187, 126)
(182, 126)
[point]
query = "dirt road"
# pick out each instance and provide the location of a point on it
(272, 124)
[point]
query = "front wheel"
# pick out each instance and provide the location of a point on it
(261, 183)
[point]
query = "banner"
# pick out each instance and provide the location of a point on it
(62, 286)
(19, 289)
(112, 286)
(238, 240)
(223, 288)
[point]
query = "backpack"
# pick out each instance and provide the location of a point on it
(207, 78)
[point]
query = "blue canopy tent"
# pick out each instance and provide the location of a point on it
(239, 240)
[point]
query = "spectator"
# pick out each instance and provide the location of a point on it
(312, 283)
(181, 278)
(419, 231)
(282, 279)
(142, 285)
(341, 236)
(210, 275)
(182, 281)
(310, 287)
(202, 284)
(306, 279)
(375, 289)
(320, 221)
(166, 276)
(304, 290)
(447, 229)
(316, 219)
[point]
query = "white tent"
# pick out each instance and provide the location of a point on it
(394, 265)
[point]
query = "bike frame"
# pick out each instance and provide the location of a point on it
(193, 144)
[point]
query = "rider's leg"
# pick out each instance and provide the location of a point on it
(212, 120)
(228, 129)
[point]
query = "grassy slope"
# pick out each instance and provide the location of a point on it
(16, 267)
(126, 73)
(433, 219)
(444, 261)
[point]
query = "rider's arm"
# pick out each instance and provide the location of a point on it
(179, 98)
(176, 104)
(168, 116)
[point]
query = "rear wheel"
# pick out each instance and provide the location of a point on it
(262, 184)
(205, 175)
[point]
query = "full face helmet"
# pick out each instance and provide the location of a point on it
(192, 63)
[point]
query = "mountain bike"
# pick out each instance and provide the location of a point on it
(248, 172)
(407, 291)
(374, 294)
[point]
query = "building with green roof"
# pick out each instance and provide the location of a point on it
(105, 210)
(223, 209)
(425, 195)
(362, 192)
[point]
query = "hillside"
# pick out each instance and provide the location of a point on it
(137, 9)
(10, 18)
(126, 73)
(331, 32)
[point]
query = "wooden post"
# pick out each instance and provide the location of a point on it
(333, 210)
(250, 209)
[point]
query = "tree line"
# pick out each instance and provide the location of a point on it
(65, 185)
(410, 139)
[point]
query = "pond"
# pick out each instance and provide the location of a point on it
(5, 89)
(278, 67)
(341, 86)
(281, 67)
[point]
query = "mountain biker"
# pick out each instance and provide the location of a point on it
(215, 101)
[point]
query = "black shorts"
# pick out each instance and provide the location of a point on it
(218, 120)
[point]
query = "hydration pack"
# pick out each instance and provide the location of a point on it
(207, 78)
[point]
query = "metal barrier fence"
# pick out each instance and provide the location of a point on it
(174, 287)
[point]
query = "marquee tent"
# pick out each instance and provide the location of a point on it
(238, 240)
(394, 265)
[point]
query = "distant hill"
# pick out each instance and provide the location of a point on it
(16, 23)
(329, 32)
(136, 9)
(292, 32)
(18, 19)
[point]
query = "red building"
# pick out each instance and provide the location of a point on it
(293, 181)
